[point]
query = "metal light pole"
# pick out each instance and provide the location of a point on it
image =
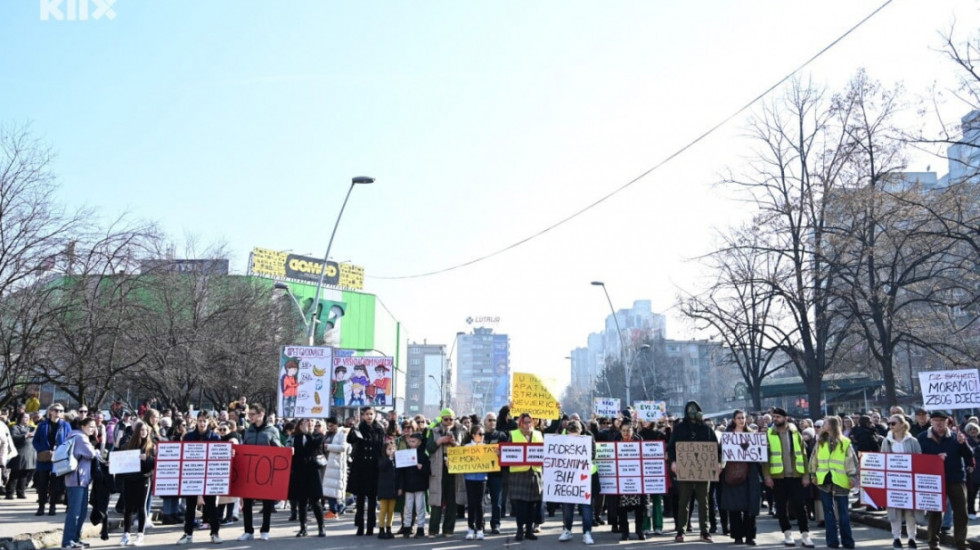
(629, 371)
(622, 341)
(311, 326)
(441, 393)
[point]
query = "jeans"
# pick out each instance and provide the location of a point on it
(495, 485)
(568, 515)
(75, 516)
(832, 516)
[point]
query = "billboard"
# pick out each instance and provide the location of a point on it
(202, 267)
(500, 355)
(274, 264)
(304, 373)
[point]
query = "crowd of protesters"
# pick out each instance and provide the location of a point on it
(810, 477)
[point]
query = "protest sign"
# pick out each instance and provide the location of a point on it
(606, 406)
(567, 471)
(744, 447)
(521, 454)
(950, 389)
(697, 461)
(304, 381)
(359, 380)
(632, 467)
(650, 411)
(124, 462)
(909, 481)
(261, 472)
(406, 458)
(472, 459)
(190, 468)
(530, 395)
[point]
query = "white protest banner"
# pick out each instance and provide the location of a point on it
(303, 384)
(567, 471)
(650, 411)
(605, 406)
(632, 467)
(406, 458)
(950, 389)
(744, 447)
(124, 462)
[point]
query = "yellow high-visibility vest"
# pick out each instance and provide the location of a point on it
(834, 463)
(776, 452)
(517, 436)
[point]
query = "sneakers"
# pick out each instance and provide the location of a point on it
(264, 536)
(566, 536)
(125, 540)
(679, 537)
(479, 535)
(187, 539)
(788, 538)
(807, 543)
(658, 532)
(470, 534)
(215, 539)
(139, 540)
(245, 536)
(587, 538)
(897, 543)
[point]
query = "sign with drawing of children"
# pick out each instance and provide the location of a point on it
(358, 380)
(304, 375)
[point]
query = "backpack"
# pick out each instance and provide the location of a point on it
(64, 460)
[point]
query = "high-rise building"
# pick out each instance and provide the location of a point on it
(482, 371)
(425, 379)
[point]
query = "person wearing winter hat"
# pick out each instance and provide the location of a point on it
(442, 484)
(691, 428)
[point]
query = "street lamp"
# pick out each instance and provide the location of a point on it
(311, 325)
(622, 341)
(279, 285)
(441, 393)
(629, 371)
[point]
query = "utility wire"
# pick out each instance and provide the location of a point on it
(669, 158)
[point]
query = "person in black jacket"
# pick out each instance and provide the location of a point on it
(304, 479)
(414, 482)
(691, 428)
(941, 440)
(367, 442)
(136, 485)
(204, 432)
(387, 489)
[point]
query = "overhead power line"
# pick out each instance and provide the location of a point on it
(655, 167)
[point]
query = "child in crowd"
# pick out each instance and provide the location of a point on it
(413, 483)
(476, 485)
(387, 490)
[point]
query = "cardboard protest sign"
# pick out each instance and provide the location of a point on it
(567, 471)
(531, 396)
(606, 406)
(261, 472)
(950, 389)
(406, 458)
(650, 411)
(909, 481)
(304, 380)
(632, 467)
(124, 462)
(359, 380)
(472, 459)
(697, 461)
(521, 454)
(744, 447)
(192, 468)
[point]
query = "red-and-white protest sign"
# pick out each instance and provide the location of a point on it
(261, 472)
(521, 454)
(192, 468)
(632, 467)
(901, 480)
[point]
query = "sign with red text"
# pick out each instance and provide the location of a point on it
(907, 481)
(192, 468)
(521, 454)
(632, 467)
(261, 472)
(567, 473)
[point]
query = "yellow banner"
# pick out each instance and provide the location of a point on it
(285, 265)
(529, 395)
(473, 459)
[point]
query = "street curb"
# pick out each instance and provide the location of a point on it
(880, 521)
(45, 539)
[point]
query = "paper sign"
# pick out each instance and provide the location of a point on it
(219, 451)
(304, 382)
(567, 469)
(634, 466)
(873, 461)
(530, 395)
(406, 458)
(192, 468)
(605, 450)
(168, 451)
(261, 472)
(899, 462)
(872, 479)
(950, 389)
(901, 499)
(915, 482)
(744, 447)
(472, 459)
(630, 468)
(930, 502)
(609, 485)
(653, 449)
(899, 481)
(928, 483)
(606, 406)
(628, 449)
(630, 485)
(124, 462)
(697, 461)
(521, 454)
(535, 453)
(650, 411)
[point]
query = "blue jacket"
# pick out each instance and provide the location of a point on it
(958, 455)
(42, 440)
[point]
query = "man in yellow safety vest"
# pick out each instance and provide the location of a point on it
(525, 482)
(787, 475)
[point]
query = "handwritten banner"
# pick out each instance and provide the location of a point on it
(606, 406)
(650, 411)
(473, 459)
(521, 454)
(192, 468)
(744, 447)
(697, 461)
(950, 389)
(124, 462)
(261, 472)
(567, 472)
(530, 395)
(908, 481)
(632, 467)
(303, 383)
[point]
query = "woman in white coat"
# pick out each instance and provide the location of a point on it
(334, 484)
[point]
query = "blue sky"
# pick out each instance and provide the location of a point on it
(242, 122)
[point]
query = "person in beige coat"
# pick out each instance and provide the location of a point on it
(447, 433)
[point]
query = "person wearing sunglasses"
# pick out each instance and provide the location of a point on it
(442, 484)
(899, 440)
(49, 434)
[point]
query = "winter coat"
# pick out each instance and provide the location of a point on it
(865, 439)
(334, 484)
(958, 455)
(746, 496)
(367, 444)
(26, 458)
(387, 478)
(437, 460)
(304, 476)
(415, 479)
(85, 453)
(42, 439)
(687, 430)
(266, 434)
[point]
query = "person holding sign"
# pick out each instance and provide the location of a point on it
(413, 483)
(834, 464)
(305, 486)
(623, 504)
(442, 484)
(136, 485)
(787, 475)
(259, 432)
(742, 492)
(899, 440)
(939, 440)
(204, 431)
(574, 428)
(525, 482)
(476, 485)
(691, 428)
